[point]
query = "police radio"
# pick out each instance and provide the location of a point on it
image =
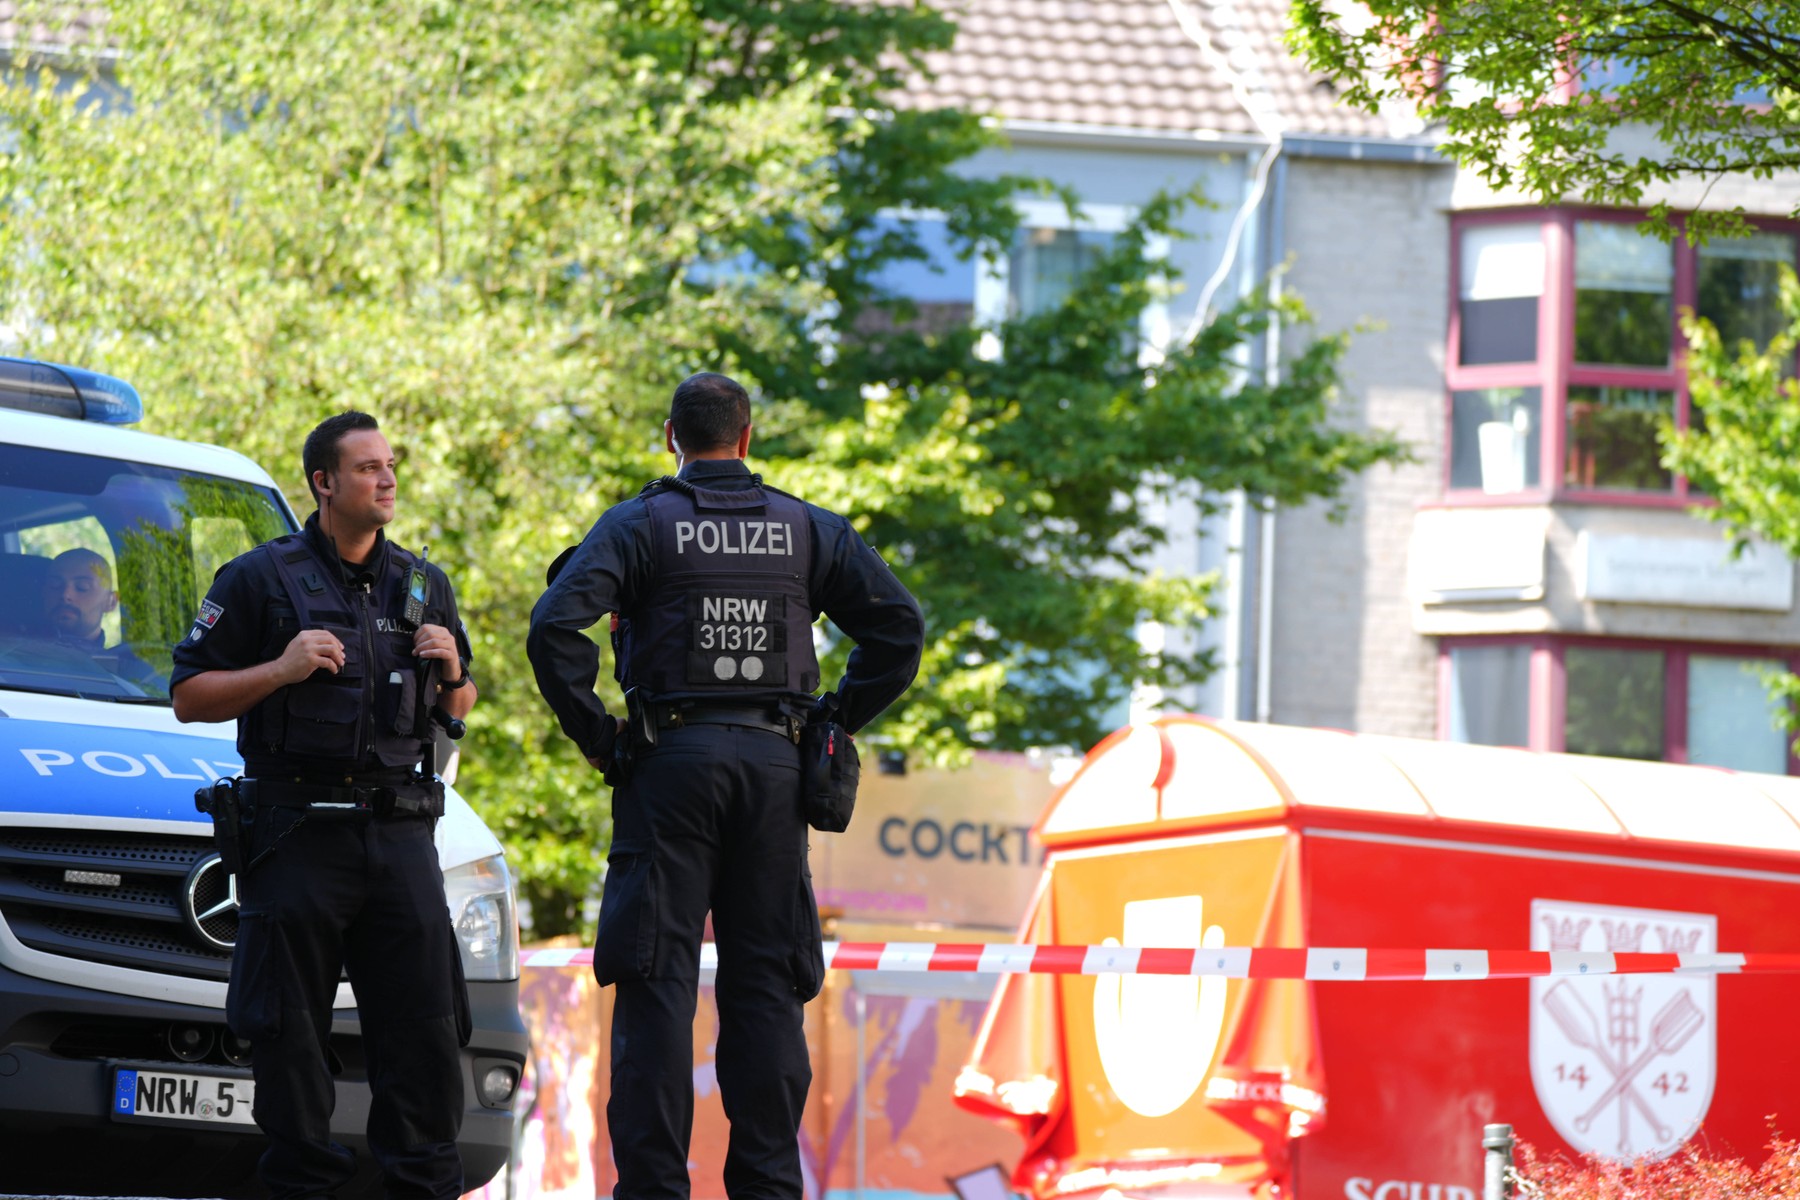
(418, 591)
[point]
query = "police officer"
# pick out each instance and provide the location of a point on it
(716, 579)
(78, 593)
(308, 642)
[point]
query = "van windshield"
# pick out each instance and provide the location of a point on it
(103, 563)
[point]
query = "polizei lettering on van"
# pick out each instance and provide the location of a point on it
(1404, 1189)
(126, 766)
(734, 537)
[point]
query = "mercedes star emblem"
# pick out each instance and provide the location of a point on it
(210, 903)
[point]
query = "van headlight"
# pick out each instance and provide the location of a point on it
(484, 911)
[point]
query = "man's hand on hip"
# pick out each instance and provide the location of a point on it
(605, 764)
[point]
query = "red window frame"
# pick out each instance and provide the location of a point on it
(1546, 703)
(1554, 370)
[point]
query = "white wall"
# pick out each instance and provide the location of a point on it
(1125, 176)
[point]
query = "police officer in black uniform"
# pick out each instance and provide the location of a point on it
(716, 579)
(309, 643)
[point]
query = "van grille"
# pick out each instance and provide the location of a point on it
(139, 923)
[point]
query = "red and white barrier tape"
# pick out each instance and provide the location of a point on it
(1247, 962)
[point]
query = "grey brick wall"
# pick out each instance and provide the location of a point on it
(1369, 245)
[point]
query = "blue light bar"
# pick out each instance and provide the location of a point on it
(60, 391)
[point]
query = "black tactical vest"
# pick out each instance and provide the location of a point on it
(360, 720)
(728, 616)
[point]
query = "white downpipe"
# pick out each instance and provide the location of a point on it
(1259, 105)
(1265, 619)
(1231, 672)
(1203, 311)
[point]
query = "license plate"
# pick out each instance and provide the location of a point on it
(170, 1096)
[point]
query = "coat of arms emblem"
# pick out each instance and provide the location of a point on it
(1623, 1065)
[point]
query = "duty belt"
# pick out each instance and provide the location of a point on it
(671, 716)
(347, 798)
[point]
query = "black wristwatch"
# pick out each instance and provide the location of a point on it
(460, 681)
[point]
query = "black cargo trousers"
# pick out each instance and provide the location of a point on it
(364, 894)
(709, 819)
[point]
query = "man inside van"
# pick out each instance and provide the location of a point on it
(78, 593)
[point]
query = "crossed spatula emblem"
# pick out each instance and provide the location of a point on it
(1678, 1020)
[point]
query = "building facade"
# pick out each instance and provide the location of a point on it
(1535, 577)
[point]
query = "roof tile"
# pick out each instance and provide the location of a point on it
(67, 25)
(1129, 63)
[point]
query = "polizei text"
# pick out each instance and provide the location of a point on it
(734, 537)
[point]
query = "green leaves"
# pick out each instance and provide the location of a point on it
(509, 229)
(1745, 452)
(1743, 448)
(1597, 101)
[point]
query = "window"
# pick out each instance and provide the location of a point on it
(53, 540)
(1490, 693)
(1498, 292)
(1607, 75)
(1612, 438)
(1050, 254)
(1732, 722)
(103, 563)
(1613, 700)
(1494, 442)
(1045, 265)
(940, 285)
(1496, 410)
(1565, 351)
(1738, 285)
(1624, 291)
(947, 287)
(1671, 702)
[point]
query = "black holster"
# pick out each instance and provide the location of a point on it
(427, 720)
(222, 803)
(830, 771)
(427, 713)
(640, 720)
(639, 732)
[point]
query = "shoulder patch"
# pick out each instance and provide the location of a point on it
(209, 614)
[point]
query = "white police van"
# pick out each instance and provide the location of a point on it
(117, 1074)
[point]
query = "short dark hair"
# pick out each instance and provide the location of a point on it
(709, 412)
(321, 450)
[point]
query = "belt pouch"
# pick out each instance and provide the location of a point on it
(829, 772)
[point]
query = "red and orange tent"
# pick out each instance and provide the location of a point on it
(1191, 833)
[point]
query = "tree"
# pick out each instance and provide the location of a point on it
(1595, 99)
(1602, 101)
(1746, 455)
(509, 229)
